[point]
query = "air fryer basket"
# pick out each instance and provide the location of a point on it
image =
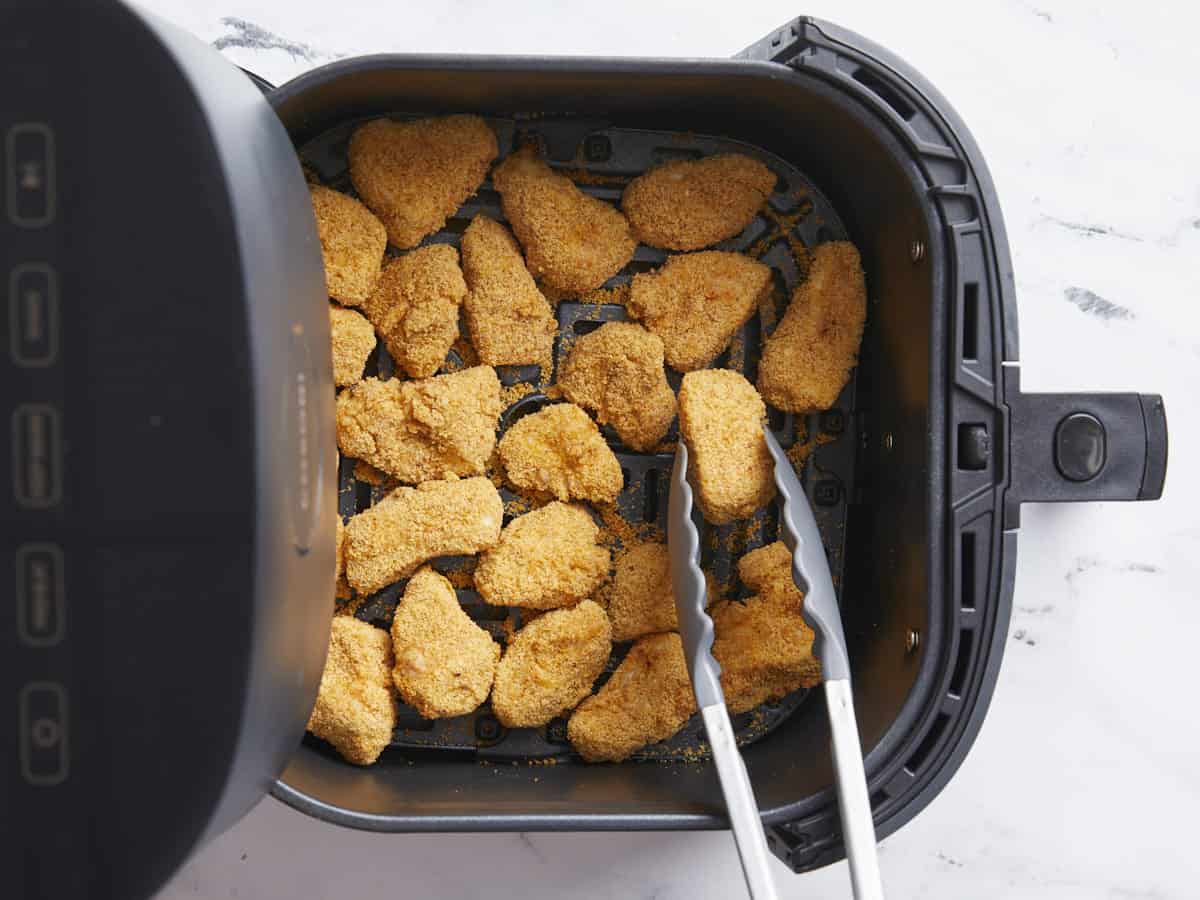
(937, 447)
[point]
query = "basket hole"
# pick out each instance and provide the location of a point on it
(917, 760)
(650, 495)
(884, 92)
(970, 322)
(966, 562)
(962, 662)
(585, 326)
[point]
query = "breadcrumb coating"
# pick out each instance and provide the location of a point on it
(721, 420)
(763, 645)
(560, 451)
(415, 307)
(641, 600)
(691, 204)
(617, 372)
(353, 339)
(808, 358)
(352, 244)
(444, 661)
(550, 665)
(647, 699)
(572, 241)
(509, 320)
(355, 710)
(411, 526)
(545, 559)
(697, 302)
(415, 174)
(422, 430)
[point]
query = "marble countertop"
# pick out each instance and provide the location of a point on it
(1085, 774)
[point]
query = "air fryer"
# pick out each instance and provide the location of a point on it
(167, 383)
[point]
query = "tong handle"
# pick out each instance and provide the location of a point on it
(854, 805)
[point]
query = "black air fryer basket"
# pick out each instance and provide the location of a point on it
(166, 377)
(917, 475)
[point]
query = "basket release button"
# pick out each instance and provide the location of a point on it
(1080, 447)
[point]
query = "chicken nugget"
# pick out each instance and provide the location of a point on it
(647, 699)
(641, 600)
(510, 322)
(444, 662)
(807, 359)
(697, 302)
(573, 242)
(422, 430)
(547, 558)
(415, 307)
(550, 665)
(721, 420)
(415, 174)
(560, 451)
(617, 372)
(355, 710)
(411, 526)
(353, 340)
(763, 644)
(691, 204)
(352, 244)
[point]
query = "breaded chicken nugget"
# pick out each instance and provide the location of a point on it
(415, 307)
(763, 644)
(353, 340)
(696, 303)
(617, 372)
(547, 558)
(550, 665)
(510, 322)
(444, 662)
(641, 600)
(691, 204)
(414, 175)
(355, 710)
(352, 244)
(560, 451)
(807, 359)
(647, 699)
(573, 242)
(411, 526)
(422, 430)
(721, 420)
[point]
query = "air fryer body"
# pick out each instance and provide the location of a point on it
(167, 379)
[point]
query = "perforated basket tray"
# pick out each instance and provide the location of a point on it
(795, 219)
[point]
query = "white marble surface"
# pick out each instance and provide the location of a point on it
(1084, 782)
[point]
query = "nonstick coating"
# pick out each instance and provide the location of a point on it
(796, 219)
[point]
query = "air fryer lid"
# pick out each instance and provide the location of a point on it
(165, 372)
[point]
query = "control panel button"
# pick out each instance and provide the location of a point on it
(41, 601)
(33, 315)
(30, 182)
(37, 455)
(43, 733)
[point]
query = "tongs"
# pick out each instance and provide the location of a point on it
(810, 571)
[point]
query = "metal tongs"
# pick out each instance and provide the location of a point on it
(810, 571)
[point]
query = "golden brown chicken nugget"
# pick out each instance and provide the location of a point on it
(509, 320)
(721, 420)
(763, 644)
(807, 359)
(547, 558)
(422, 430)
(415, 174)
(647, 699)
(444, 662)
(560, 451)
(550, 665)
(415, 307)
(617, 372)
(697, 302)
(691, 204)
(572, 241)
(355, 710)
(352, 244)
(641, 600)
(411, 526)
(353, 340)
